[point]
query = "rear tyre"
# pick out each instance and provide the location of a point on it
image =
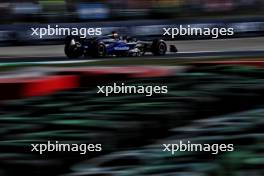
(141, 51)
(159, 48)
(73, 47)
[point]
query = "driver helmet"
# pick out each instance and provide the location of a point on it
(115, 35)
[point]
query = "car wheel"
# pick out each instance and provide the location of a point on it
(73, 48)
(100, 50)
(141, 51)
(159, 47)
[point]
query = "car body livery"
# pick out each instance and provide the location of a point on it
(113, 46)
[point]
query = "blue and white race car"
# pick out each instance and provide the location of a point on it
(113, 45)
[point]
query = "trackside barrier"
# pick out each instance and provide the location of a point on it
(13, 88)
(254, 63)
(146, 29)
(69, 78)
(102, 75)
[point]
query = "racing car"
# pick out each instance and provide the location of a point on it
(113, 45)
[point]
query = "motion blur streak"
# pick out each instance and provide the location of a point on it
(217, 96)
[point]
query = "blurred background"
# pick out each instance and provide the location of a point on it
(75, 11)
(215, 90)
(246, 16)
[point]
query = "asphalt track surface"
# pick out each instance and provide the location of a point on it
(246, 47)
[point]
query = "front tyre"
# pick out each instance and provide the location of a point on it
(99, 50)
(159, 48)
(73, 47)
